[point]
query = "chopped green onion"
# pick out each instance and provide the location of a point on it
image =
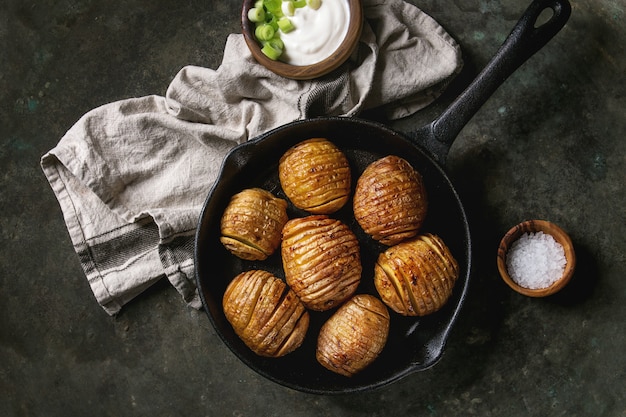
(314, 4)
(264, 32)
(271, 52)
(285, 25)
(258, 3)
(256, 14)
(272, 20)
(272, 5)
(277, 43)
(299, 3)
(288, 8)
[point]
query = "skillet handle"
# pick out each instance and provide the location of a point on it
(525, 39)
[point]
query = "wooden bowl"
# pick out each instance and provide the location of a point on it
(305, 72)
(533, 226)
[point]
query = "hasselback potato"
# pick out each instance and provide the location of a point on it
(315, 176)
(354, 335)
(265, 313)
(390, 201)
(321, 260)
(252, 224)
(416, 277)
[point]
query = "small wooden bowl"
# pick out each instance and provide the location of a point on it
(305, 72)
(533, 226)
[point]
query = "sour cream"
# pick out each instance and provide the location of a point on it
(317, 34)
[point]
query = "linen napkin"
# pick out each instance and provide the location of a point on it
(131, 176)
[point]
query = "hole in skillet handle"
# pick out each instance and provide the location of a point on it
(544, 17)
(528, 36)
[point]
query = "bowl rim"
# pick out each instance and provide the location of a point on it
(535, 226)
(306, 72)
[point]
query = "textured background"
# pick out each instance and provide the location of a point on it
(548, 144)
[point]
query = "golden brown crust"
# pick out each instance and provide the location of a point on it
(390, 201)
(267, 316)
(252, 223)
(416, 277)
(354, 336)
(321, 260)
(315, 176)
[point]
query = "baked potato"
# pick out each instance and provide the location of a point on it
(315, 176)
(321, 259)
(354, 335)
(252, 224)
(390, 201)
(416, 277)
(267, 316)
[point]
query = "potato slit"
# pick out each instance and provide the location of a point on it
(430, 298)
(409, 284)
(339, 292)
(308, 249)
(246, 243)
(275, 329)
(257, 327)
(445, 266)
(257, 287)
(300, 319)
(252, 285)
(329, 202)
(397, 285)
(444, 254)
(440, 279)
(373, 310)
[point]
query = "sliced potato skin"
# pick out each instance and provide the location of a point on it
(267, 316)
(416, 277)
(315, 175)
(252, 224)
(390, 201)
(354, 335)
(321, 259)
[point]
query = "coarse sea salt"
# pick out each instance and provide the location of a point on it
(535, 260)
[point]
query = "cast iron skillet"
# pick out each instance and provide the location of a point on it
(414, 344)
